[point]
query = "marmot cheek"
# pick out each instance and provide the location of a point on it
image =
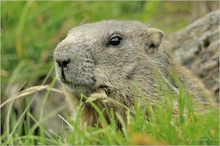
(129, 69)
(101, 78)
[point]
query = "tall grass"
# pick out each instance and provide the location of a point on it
(160, 126)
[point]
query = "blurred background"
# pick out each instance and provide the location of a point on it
(30, 31)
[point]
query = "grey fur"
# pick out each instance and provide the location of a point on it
(93, 68)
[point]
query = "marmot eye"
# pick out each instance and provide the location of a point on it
(115, 41)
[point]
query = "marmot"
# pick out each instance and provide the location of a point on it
(111, 59)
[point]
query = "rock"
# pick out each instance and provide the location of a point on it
(197, 47)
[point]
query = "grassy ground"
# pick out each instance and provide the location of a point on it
(161, 128)
(29, 33)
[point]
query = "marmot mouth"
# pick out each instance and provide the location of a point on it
(86, 89)
(79, 89)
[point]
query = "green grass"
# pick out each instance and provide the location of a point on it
(29, 33)
(161, 128)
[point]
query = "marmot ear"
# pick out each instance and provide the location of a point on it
(152, 40)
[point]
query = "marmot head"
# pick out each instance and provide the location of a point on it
(103, 54)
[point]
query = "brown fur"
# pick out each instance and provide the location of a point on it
(116, 77)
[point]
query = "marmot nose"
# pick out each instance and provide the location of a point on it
(63, 62)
